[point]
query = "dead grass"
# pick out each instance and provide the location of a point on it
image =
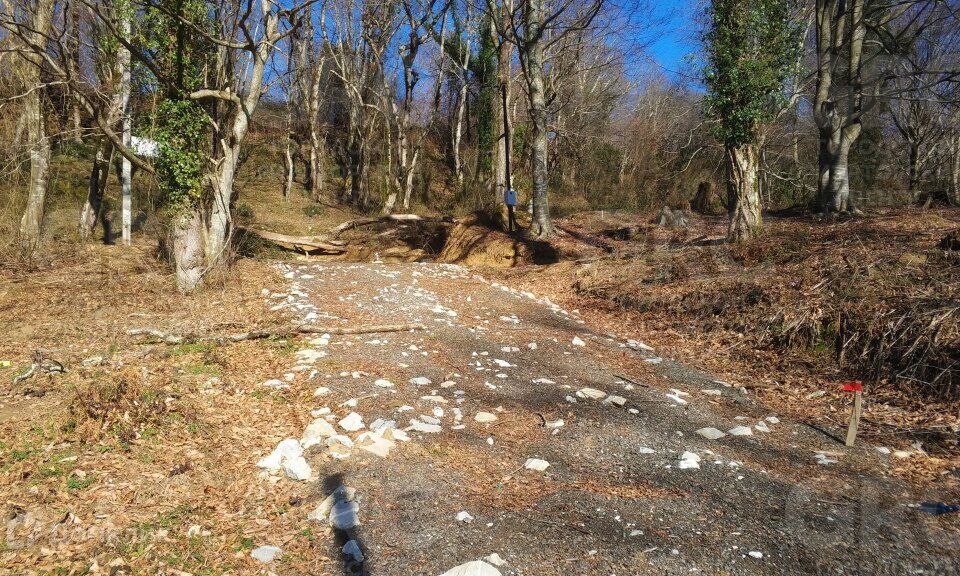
(791, 315)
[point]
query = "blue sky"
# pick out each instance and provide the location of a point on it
(678, 33)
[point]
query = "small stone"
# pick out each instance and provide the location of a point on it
(761, 427)
(536, 464)
(485, 417)
(816, 394)
(274, 383)
(383, 383)
(645, 450)
(296, 468)
(711, 433)
(475, 568)
(321, 391)
(689, 460)
(420, 381)
(740, 431)
(577, 341)
(343, 515)
(289, 448)
(615, 400)
(755, 554)
(352, 550)
(558, 423)
(424, 427)
(712, 392)
(316, 432)
(772, 419)
(464, 516)
(352, 422)
(266, 554)
(495, 559)
(591, 393)
(429, 419)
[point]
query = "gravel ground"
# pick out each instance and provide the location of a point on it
(619, 495)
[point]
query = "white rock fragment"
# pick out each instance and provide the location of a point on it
(464, 516)
(424, 427)
(495, 559)
(420, 381)
(645, 450)
(761, 426)
(352, 422)
(383, 383)
(755, 554)
(289, 448)
(711, 433)
(277, 384)
(316, 433)
(615, 400)
(676, 398)
(591, 393)
(485, 417)
(577, 341)
(266, 554)
(740, 431)
(823, 460)
(321, 391)
(712, 392)
(558, 423)
(296, 468)
(772, 419)
(475, 568)
(689, 460)
(536, 464)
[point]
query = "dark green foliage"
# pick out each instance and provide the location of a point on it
(751, 48)
(485, 72)
(181, 132)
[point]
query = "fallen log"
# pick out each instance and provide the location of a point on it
(300, 243)
(358, 222)
(280, 332)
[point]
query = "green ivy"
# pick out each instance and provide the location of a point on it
(181, 133)
(751, 48)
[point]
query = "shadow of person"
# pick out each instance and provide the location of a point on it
(355, 556)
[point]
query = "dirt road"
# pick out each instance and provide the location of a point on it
(631, 486)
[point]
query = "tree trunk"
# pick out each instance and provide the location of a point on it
(96, 188)
(220, 220)
(913, 182)
(288, 169)
(743, 189)
(316, 167)
(541, 226)
(501, 105)
(188, 249)
(39, 141)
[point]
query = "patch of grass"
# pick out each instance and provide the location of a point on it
(244, 543)
(196, 348)
(75, 483)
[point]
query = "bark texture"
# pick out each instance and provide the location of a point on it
(744, 192)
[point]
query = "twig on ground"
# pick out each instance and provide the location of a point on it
(282, 332)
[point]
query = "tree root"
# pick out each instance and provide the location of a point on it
(283, 332)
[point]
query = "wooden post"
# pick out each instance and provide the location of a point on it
(855, 417)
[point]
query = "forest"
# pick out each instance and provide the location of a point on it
(717, 234)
